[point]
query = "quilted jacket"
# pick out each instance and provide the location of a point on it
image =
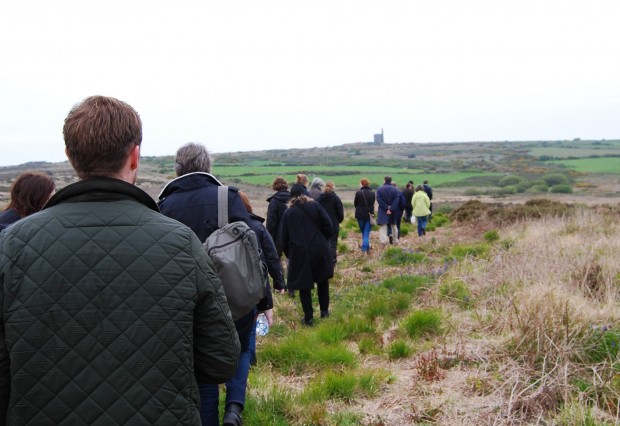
(109, 312)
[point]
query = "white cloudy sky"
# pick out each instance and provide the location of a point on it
(246, 75)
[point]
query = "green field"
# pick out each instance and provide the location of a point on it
(343, 176)
(592, 165)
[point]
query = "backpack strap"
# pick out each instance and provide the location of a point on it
(222, 206)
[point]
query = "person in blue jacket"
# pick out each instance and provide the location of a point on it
(388, 198)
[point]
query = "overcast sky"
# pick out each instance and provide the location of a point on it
(252, 75)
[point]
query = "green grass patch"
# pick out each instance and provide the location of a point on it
(394, 256)
(399, 349)
(295, 354)
(409, 284)
(423, 323)
(592, 165)
(342, 386)
(491, 236)
(602, 345)
(457, 292)
(460, 252)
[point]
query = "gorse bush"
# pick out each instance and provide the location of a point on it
(555, 179)
(510, 180)
(561, 189)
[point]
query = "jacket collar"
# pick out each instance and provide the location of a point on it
(187, 181)
(101, 188)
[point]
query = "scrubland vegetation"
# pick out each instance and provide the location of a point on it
(506, 316)
(506, 313)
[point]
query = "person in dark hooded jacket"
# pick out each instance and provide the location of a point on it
(333, 206)
(278, 202)
(191, 199)
(306, 229)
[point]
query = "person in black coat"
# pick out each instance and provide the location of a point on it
(333, 206)
(364, 203)
(304, 235)
(408, 194)
(278, 202)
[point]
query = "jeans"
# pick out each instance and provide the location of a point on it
(421, 224)
(236, 386)
(364, 225)
(305, 296)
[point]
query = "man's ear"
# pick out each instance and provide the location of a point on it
(135, 157)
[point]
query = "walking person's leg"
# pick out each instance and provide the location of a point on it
(237, 385)
(323, 293)
(305, 297)
(383, 236)
(420, 230)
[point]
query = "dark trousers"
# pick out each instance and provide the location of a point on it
(305, 296)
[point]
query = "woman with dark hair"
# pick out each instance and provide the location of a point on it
(364, 203)
(304, 234)
(29, 193)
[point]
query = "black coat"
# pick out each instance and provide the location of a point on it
(333, 206)
(278, 202)
(268, 253)
(364, 202)
(305, 231)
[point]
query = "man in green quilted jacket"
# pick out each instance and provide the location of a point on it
(110, 312)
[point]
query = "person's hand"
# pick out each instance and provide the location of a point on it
(269, 315)
(281, 291)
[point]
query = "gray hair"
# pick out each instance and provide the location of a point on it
(192, 157)
(318, 182)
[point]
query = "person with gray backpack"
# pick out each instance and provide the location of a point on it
(196, 198)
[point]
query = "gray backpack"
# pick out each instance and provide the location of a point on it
(235, 251)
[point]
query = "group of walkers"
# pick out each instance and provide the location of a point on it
(108, 300)
(394, 206)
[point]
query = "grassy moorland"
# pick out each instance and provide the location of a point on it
(500, 315)
(506, 313)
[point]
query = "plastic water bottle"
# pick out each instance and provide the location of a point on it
(262, 325)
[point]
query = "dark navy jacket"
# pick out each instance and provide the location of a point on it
(192, 200)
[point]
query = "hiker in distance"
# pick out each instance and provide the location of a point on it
(388, 198)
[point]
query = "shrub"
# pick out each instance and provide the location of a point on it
(538, 188)
(561, 189)
(555, 179)
(426, 322)
(510, 181)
